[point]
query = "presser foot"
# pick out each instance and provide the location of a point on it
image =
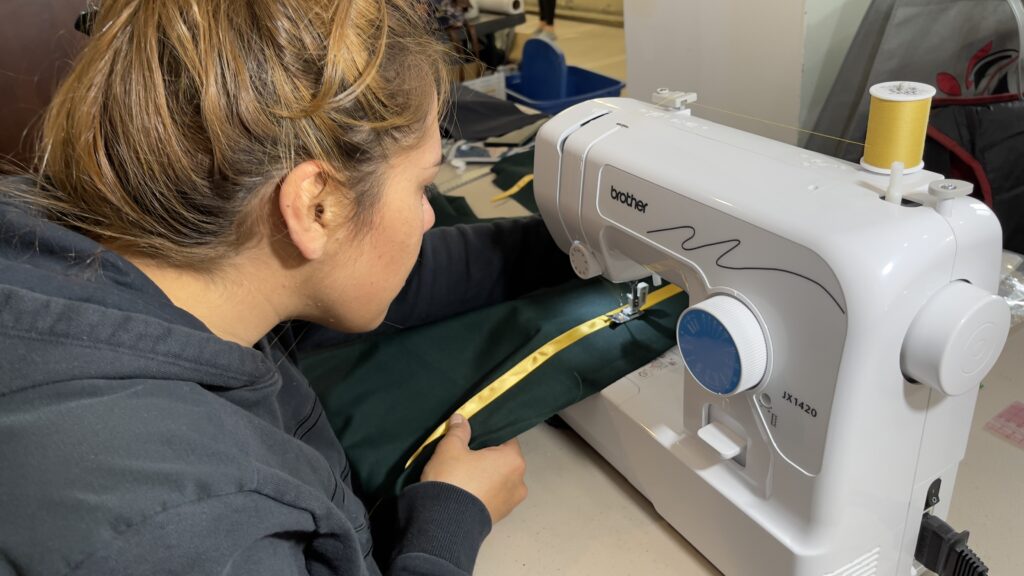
(635, 308)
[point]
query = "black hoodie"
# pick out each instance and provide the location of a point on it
(134, 441)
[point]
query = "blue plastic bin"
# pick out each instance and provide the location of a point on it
(546, 83)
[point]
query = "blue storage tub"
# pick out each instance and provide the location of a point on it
(545, 83)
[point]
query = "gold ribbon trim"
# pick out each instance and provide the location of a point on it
(514, 189)
(509, 379)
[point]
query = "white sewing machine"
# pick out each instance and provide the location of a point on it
(833, 348)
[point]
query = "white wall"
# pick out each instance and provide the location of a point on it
(829, 27)
(739, 55)
(773, 60)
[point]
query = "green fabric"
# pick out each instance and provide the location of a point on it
(450, 210)
(510, 170)
(384, 395)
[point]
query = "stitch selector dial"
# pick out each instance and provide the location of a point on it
(722, 345)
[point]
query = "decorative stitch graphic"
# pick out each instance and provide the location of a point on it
(735, 242)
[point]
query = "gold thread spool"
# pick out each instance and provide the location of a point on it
(897, 126)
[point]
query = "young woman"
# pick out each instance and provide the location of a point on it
(209, 170)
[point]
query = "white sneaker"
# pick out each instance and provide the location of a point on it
(548, 35)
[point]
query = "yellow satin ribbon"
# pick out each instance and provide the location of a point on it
(514, 189)
(506, 381)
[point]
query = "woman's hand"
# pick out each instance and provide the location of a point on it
(494, 475)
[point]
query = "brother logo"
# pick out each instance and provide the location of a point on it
(629, 200)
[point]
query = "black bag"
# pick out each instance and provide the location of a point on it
(981, 140)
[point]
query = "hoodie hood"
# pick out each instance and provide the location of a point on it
(72, 309)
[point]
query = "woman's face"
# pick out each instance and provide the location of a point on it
(365, 273)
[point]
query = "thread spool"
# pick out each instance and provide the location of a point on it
(897, 126)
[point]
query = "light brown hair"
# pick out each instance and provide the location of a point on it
(179, 111)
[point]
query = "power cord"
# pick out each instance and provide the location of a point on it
(944, 551)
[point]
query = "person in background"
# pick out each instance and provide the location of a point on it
(208, 171)
(546, 28)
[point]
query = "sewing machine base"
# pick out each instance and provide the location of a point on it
(636, 425)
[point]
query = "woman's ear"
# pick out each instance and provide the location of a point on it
(303, 202)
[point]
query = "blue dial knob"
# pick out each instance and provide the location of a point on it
(722, 345)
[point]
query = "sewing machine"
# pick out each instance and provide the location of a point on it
(820, 398)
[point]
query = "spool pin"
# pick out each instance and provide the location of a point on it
(897, 126)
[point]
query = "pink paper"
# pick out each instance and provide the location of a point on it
(1009, 424)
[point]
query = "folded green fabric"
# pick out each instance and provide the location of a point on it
(450, 210)
(509, 170)
(385, 394)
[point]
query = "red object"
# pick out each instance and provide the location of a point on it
(948, 83)
(975, 100)
(985, 50)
